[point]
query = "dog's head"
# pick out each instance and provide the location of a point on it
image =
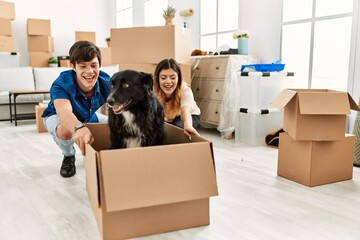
(128, 89)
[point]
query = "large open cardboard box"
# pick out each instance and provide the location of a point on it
(315, 114)
(313, 163)
(143, 191)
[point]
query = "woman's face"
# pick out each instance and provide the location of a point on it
(168, 80)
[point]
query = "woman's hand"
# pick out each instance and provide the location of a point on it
(189, 130)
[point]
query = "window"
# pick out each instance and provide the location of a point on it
(218, 21)
(153, 10)
(316, 41)
(131, 13)
(124, 13)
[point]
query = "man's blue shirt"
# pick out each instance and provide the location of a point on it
(84, 108)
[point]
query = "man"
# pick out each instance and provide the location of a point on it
(76, 95)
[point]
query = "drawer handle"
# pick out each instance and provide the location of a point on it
(216, 112)
(217, 68)
(197, 68)
(197, 89)
(216, 90)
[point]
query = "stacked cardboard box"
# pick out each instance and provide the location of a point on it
(40, 42)
(7, 14)
(150, 45)
(314, 149)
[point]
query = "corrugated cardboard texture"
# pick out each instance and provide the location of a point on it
(38, 27)
(314, 163)
(150, 44)
(7, 10)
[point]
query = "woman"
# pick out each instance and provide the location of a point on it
(176, 97)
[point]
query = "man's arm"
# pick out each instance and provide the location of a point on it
(68, 121)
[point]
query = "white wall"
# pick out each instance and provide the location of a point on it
(261, 17)
(67, 16)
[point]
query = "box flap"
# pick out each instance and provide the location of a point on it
(325, 102)
(150, 176)
(353, 104)
(284, 97)
(92, 175)
(99, 131)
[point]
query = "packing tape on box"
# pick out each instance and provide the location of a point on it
(186, 12)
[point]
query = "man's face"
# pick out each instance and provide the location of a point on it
(87, 74)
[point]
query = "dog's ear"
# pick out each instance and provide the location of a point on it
(147, 79)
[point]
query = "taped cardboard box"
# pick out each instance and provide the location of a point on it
(39, 120)
(314, 163)
(142, 191)
(315, 114)
(38, 27)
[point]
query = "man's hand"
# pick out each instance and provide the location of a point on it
(83, 136)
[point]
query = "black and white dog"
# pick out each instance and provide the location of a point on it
(136, 117)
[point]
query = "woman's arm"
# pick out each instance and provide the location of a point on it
(187, 120)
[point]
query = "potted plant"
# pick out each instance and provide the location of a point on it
(242, 37)
(53, 62)
(107, 41)
(169, 14)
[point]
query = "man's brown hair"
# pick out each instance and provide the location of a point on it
(84, 51)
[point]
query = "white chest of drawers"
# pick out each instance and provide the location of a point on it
(216, 88)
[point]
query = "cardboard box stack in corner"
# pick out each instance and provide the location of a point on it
(314, 149)
(40, 42)
(7, 43)
(143, 191)
(150, 45)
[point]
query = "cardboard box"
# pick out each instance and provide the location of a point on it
(7, 10)
(39, 59)
(105, 57)
(150, 44)
(88, 36)
(314, 163)
(143, 191)
(150, 68)
(5, 27)
(38, 27)
(315, 114)
(39, 120)
(40, 43)
(7, 44)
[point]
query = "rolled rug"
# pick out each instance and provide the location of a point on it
(186, 12)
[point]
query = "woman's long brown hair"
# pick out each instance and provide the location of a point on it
(173, 110)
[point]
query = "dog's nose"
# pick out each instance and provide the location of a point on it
(111, 101)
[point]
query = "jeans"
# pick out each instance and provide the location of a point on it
(66, 146)
(179, 123)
